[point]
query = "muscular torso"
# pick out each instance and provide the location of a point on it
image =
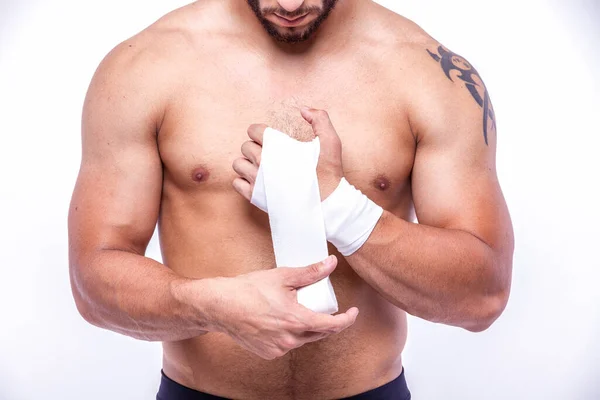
(207, 229)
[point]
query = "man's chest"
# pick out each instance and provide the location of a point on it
(205, 127)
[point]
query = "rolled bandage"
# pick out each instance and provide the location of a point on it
(349, 217)
(286, 186)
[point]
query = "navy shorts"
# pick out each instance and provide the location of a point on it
(171, 390)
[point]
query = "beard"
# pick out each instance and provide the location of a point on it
(293, 34)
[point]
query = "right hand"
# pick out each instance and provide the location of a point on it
(260, 310)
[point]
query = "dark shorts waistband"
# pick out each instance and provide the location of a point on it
(394, 390)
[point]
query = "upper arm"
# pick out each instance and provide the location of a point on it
(455, 185)
(116, 200)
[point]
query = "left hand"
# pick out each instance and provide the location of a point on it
(329, 168)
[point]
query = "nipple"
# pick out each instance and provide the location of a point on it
(200, 174)
(382, 183)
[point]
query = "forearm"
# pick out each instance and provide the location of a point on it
(138, 297)
(441, 275)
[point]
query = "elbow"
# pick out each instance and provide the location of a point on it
(488, 302)
(83, 303)
(85, 310)
(487, 305)
(485, 312)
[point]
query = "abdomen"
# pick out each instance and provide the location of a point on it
(220, 234)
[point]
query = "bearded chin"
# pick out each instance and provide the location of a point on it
(294, 35)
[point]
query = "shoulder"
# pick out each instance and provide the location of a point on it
(407, 48)
(413, 52)
(165, 43)
(152, 48)
(405, 55)
(438, 85)
(145, 69)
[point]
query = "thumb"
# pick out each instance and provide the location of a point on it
(320, 121)
(304, 276)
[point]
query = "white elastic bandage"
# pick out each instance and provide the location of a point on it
(287, 187)
(349, 217)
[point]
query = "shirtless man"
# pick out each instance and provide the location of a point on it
(165, 138)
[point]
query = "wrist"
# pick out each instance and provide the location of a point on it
(197, 302)
(327, 189)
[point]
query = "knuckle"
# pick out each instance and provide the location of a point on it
(287, 342)
(237, 163)
(333, 329)
(283, 273)
(314, 270)
(322, 115)
(298, 326)
(257, 128)
(310, 327)
(237, 184)
(279, 353)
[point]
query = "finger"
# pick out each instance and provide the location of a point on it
(244, 188)
(299, 277)
(245, 169)
(256, 132)
(331, 324)
(320, 121)
(252, 151)
(309, 336)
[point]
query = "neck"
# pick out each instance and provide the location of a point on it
(332, 33)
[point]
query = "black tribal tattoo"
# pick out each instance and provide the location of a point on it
(453, 62)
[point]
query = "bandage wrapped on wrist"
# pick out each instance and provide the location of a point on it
(349, 218)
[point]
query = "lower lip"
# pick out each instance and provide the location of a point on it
(287, 23)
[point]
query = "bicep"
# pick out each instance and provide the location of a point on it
(116, 200)
(454, 179)
(453, 189)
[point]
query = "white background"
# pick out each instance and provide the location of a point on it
(540, 62)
